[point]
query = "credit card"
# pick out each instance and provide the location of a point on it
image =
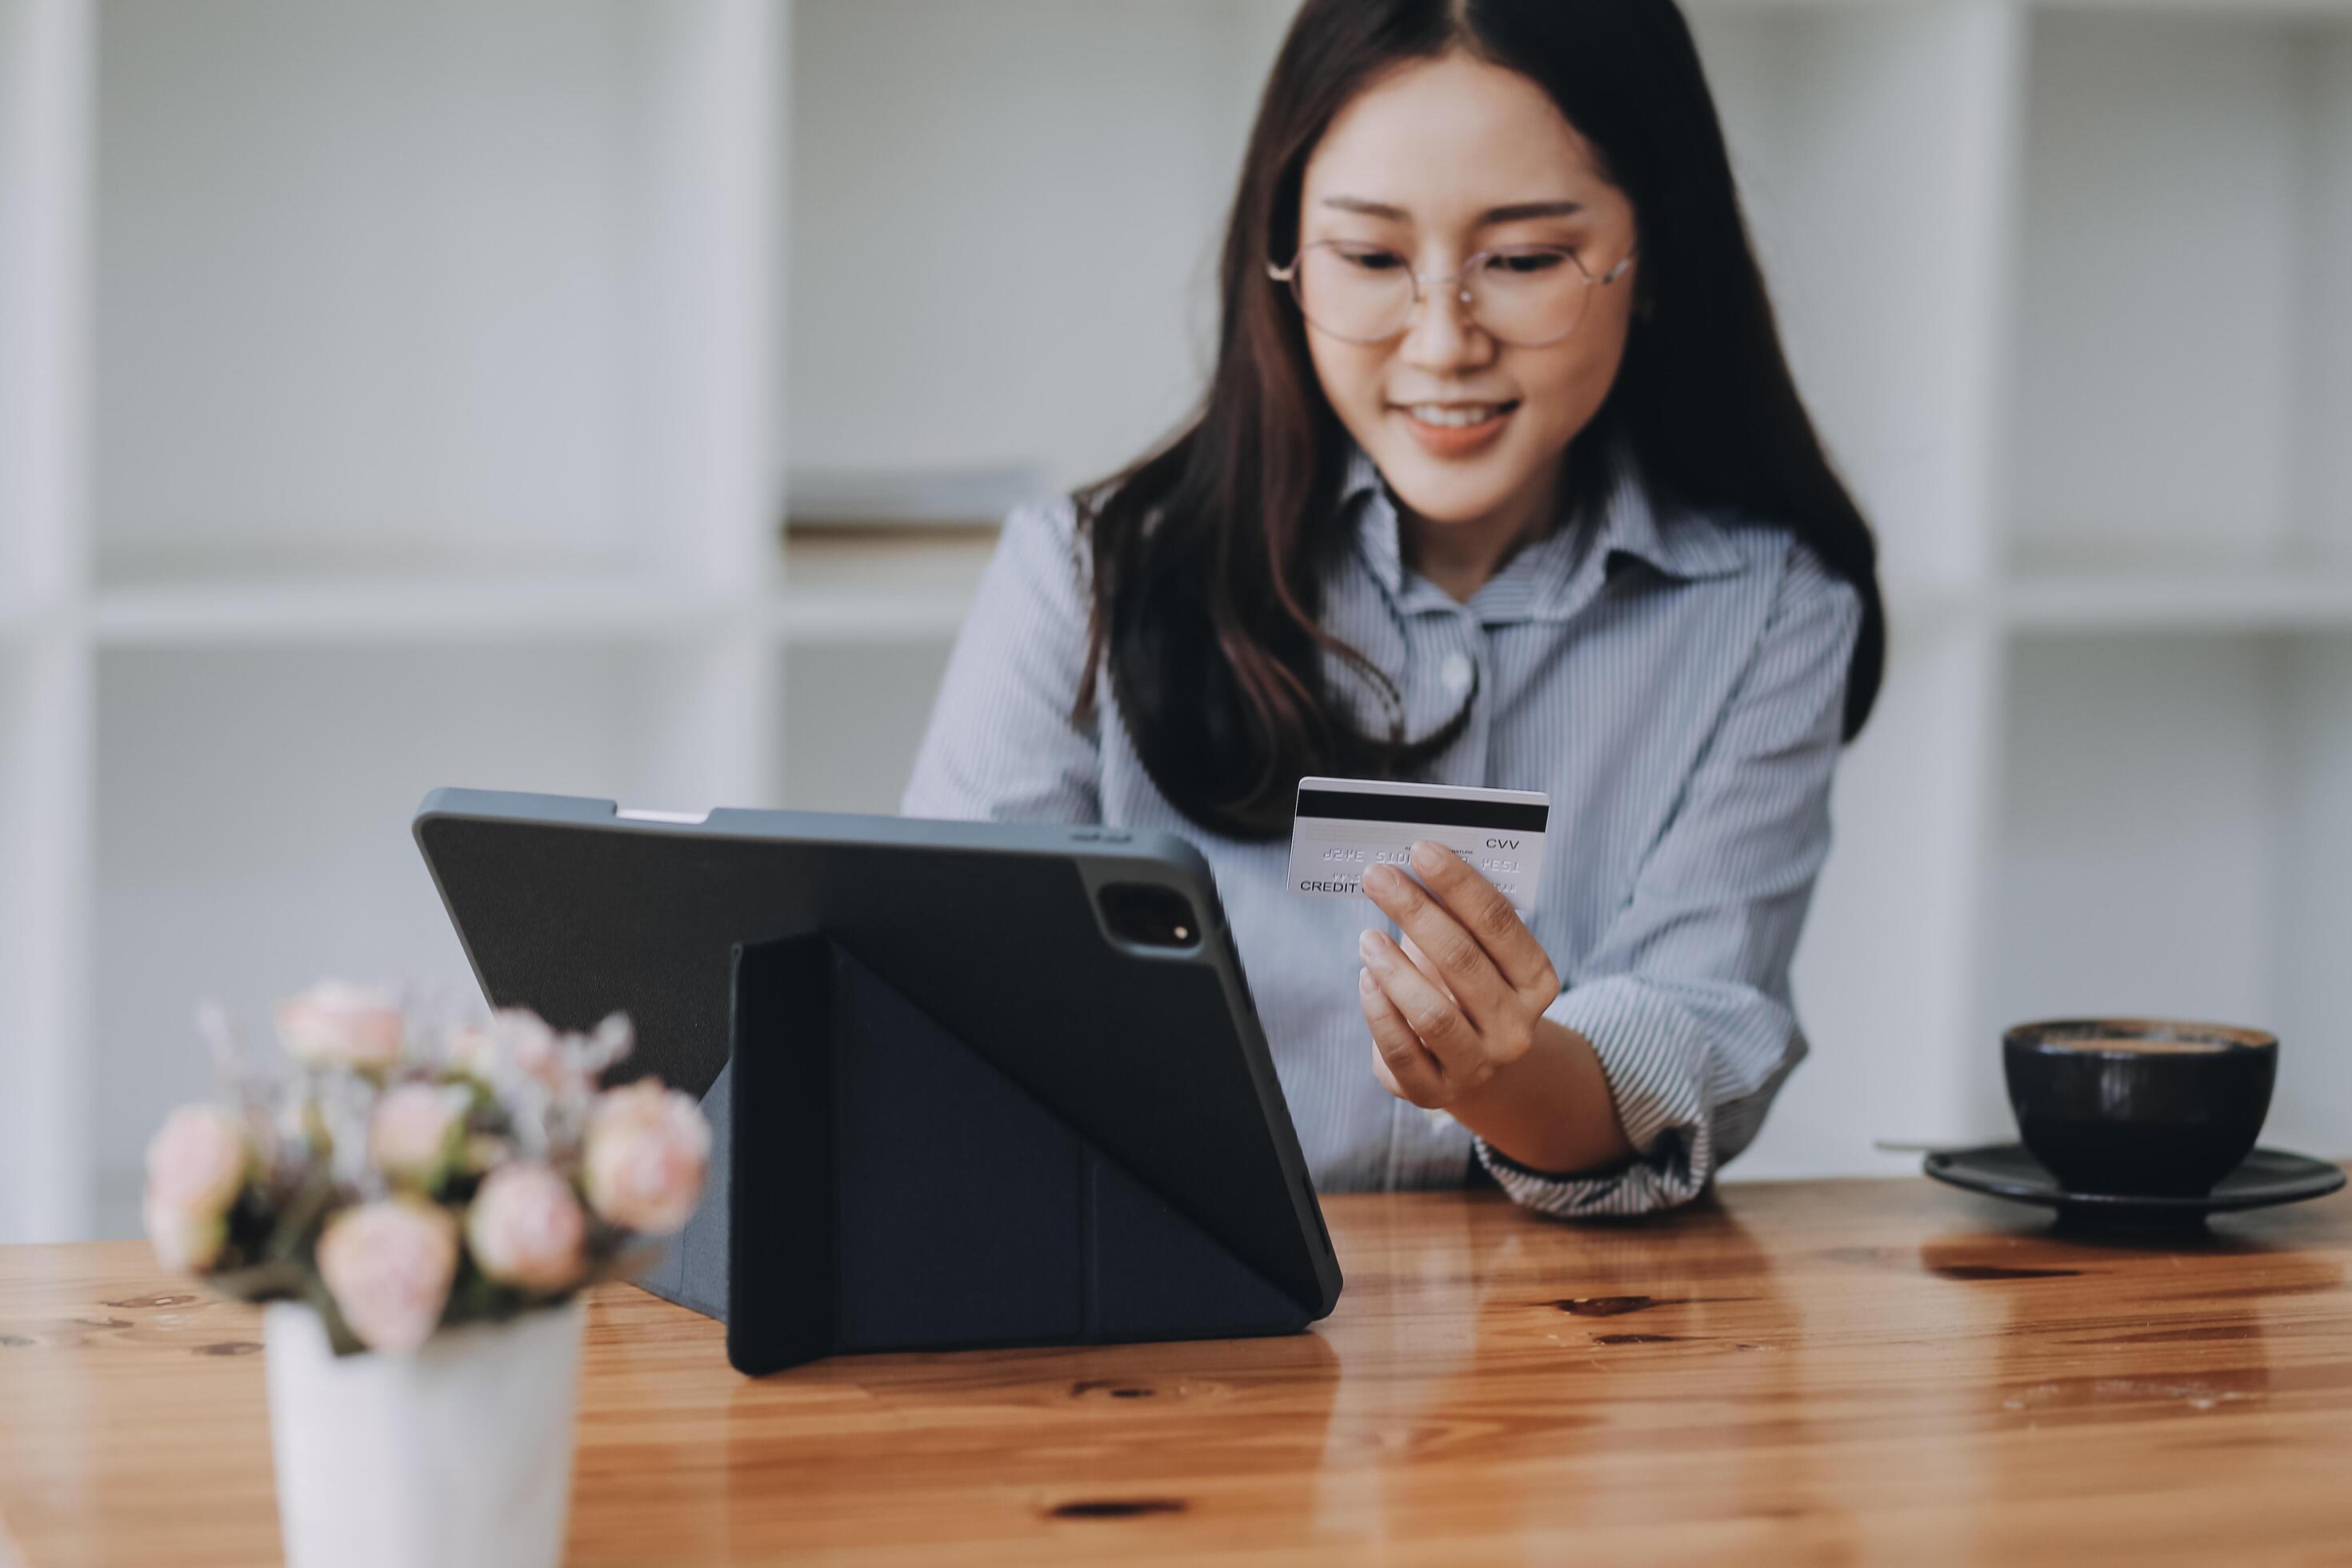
(1346, 827)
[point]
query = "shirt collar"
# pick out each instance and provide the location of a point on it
(1376, 520)
(1684, 545)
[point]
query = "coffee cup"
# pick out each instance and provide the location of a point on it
(2139, 1105)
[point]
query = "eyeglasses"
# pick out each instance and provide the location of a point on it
(1528, 296)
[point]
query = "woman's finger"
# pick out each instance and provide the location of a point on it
(1404, 1068)
(1435, 1021)
(1427, 966)
(1469, 974)
(1489, 919)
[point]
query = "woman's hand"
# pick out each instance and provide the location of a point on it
(1462, 999)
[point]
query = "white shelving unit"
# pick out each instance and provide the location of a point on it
(398, 395)
(405, 412)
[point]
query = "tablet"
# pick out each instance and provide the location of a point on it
(1091, 966)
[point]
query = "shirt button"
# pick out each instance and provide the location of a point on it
(1454, 674)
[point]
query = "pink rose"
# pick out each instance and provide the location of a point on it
(518, 1040)
(197, 1160)
(388, 1266)
(184, 1238)
(336, 1024)
(471, 1050)
(526, 1229)
(415, 1132)
(648, 1148)
(534, 1047)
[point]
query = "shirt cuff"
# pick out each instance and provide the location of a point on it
(1654, 1054)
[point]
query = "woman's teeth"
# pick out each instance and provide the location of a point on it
(1455, 417)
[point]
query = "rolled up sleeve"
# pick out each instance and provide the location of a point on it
(1685, 998)
(1002, 745)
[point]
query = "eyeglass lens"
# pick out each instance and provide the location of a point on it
(1528, 295)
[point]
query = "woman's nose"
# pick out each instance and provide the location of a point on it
(1441, 331)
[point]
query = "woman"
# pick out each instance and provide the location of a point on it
(1500, 479)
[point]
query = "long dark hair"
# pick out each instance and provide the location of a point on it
(1207, 552)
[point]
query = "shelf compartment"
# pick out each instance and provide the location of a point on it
(2172, 844)
(1084, 183)
(463, 281)
(2184, 323)
(1874, 148)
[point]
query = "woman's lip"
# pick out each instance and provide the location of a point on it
(1452, 441)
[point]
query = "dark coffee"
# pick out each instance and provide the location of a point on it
(2130, 1105)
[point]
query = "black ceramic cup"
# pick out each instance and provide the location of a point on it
(2139, 1105)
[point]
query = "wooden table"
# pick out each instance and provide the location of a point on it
(1844, 1371)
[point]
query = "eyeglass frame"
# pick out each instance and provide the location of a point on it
(1289, 275)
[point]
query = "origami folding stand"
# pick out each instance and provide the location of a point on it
(878, 1184)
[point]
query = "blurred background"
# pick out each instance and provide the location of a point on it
(618, 397)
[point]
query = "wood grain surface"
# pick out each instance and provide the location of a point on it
(1840, 1371)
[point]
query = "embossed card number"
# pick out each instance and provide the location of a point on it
(1346, 827)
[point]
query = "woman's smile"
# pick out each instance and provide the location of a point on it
(1455, 429)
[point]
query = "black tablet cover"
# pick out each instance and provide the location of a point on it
(1151, 1058)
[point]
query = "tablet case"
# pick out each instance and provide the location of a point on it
(953, 1106)
(916, 1198)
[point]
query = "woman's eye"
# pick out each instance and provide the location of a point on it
(1373, 260)
(1526, 262)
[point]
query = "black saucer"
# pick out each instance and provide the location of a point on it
(2006, 1171)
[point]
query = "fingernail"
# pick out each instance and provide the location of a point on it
(1380, 878)
(1426, 852)
(1368, 944)
(1365, 983)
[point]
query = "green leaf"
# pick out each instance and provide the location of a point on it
(295, 1237)
(340, 1338)
(260, 1283)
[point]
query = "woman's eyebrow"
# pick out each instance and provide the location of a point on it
(1518, 212)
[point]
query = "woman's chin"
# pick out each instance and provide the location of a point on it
(1452, 496)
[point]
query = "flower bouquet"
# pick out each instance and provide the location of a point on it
(422, 1204)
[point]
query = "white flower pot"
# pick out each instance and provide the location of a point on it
(457, 1455)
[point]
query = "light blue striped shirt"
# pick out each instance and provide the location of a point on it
(1675, 684)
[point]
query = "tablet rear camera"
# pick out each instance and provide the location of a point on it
(1150, 916)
